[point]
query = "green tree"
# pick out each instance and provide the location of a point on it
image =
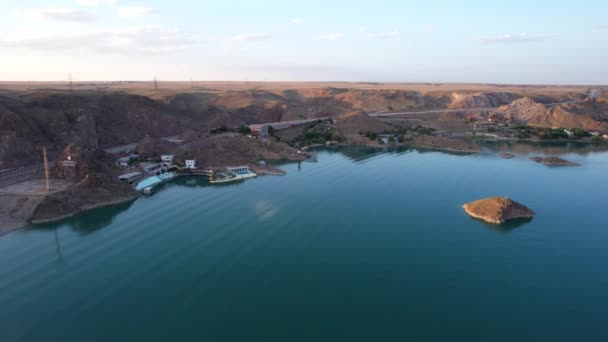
(243, 129)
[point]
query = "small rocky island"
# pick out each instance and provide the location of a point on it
(497, 210)
(553, 161)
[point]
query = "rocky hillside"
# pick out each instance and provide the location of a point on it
(589, 115)
(481, 100)
(231, 148)
(102, 119)
(94, 120)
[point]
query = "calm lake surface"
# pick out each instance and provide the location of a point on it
(361, 246)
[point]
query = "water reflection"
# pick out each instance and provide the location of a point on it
(508, 226)
(549, 148)
(88, 222)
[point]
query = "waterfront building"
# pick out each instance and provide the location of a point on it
(238, 169)
(152, 167)
(130, 177)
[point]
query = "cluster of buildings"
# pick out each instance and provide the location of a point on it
(143, 169)
(493, 123)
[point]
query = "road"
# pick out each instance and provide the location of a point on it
(13, 176)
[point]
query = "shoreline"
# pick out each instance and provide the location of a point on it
(266, 171)
(270, 170)
(84, 209)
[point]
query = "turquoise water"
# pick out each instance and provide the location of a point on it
(361, 246)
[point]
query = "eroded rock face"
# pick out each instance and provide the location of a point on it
(497, 210)
(523, 109)
(482, 100)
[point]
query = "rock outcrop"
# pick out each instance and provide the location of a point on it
(497, 210)
(481, 100)
(523, 109)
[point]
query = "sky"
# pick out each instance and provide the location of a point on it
(523, 42)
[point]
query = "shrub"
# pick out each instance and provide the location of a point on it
(243, 129)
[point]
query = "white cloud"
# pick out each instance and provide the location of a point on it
(515, 38)
(144, 40)
(95, 2)
(130, 12)
(249, 37)
(330, 36)
(390, 35)
(57, 14)
(296, 21)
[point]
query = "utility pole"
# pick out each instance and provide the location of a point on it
(70, 78)
(155, 83)
(46, 169)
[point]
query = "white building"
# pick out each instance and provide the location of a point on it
(152, 168)
(130, 177)
(238, 169)
(191, 163)
(166, 158)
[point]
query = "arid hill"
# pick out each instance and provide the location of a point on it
(231, 148)
(103, 115)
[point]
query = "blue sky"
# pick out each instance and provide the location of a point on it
(550, 42)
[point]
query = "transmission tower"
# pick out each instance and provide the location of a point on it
(155, 83)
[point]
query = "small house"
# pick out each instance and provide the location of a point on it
(152, 167)
(191, 164)
(166, 158)
(259, 130)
